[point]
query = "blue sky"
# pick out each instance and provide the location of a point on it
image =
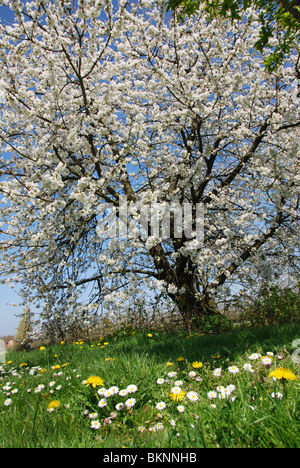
(6, 14)
(8, 319)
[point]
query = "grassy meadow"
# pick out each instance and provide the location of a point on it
(148, 389)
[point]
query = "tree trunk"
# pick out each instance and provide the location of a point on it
(192, 305)
(193, 308)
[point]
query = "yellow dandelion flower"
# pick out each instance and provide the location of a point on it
(23, 364)
(170, 364)
(42, 348)
(149, 335)
(180, 359)
(282, 373)
(197, 365)
(55, 367)
(177, 396)
(94, 381)
(53, 404)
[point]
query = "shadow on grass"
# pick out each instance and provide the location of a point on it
(164, 347)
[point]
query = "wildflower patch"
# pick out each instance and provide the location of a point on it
(135, 401)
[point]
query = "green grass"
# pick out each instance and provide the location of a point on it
(249, 417)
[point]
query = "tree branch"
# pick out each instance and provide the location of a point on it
(249, 251)
(290, 8)
(232, 175)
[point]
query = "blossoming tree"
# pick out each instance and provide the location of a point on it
(101, 100)
(276, 17)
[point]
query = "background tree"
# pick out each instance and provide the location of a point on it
(101, 101)
(276, 18)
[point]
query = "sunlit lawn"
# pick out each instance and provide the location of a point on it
(159, 391)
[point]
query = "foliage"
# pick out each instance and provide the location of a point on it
(276, 17)
(215, 324)
(22, 336)
(45, 401)
(275, 305)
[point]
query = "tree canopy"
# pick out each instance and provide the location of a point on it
(102, 103)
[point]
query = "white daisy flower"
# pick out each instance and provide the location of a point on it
(217, 372)
(159, 426)
(266, 361)
(248, 367)
(178, 383)
(220, 388)
(130, 403)
(102, 403)
(161, 405)
(233, 370)
(231, 388)
(254, 356)
(131, 388)
(176, 390)
(160, 381)
(119, 406)
(192, 396)
(95, 424)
